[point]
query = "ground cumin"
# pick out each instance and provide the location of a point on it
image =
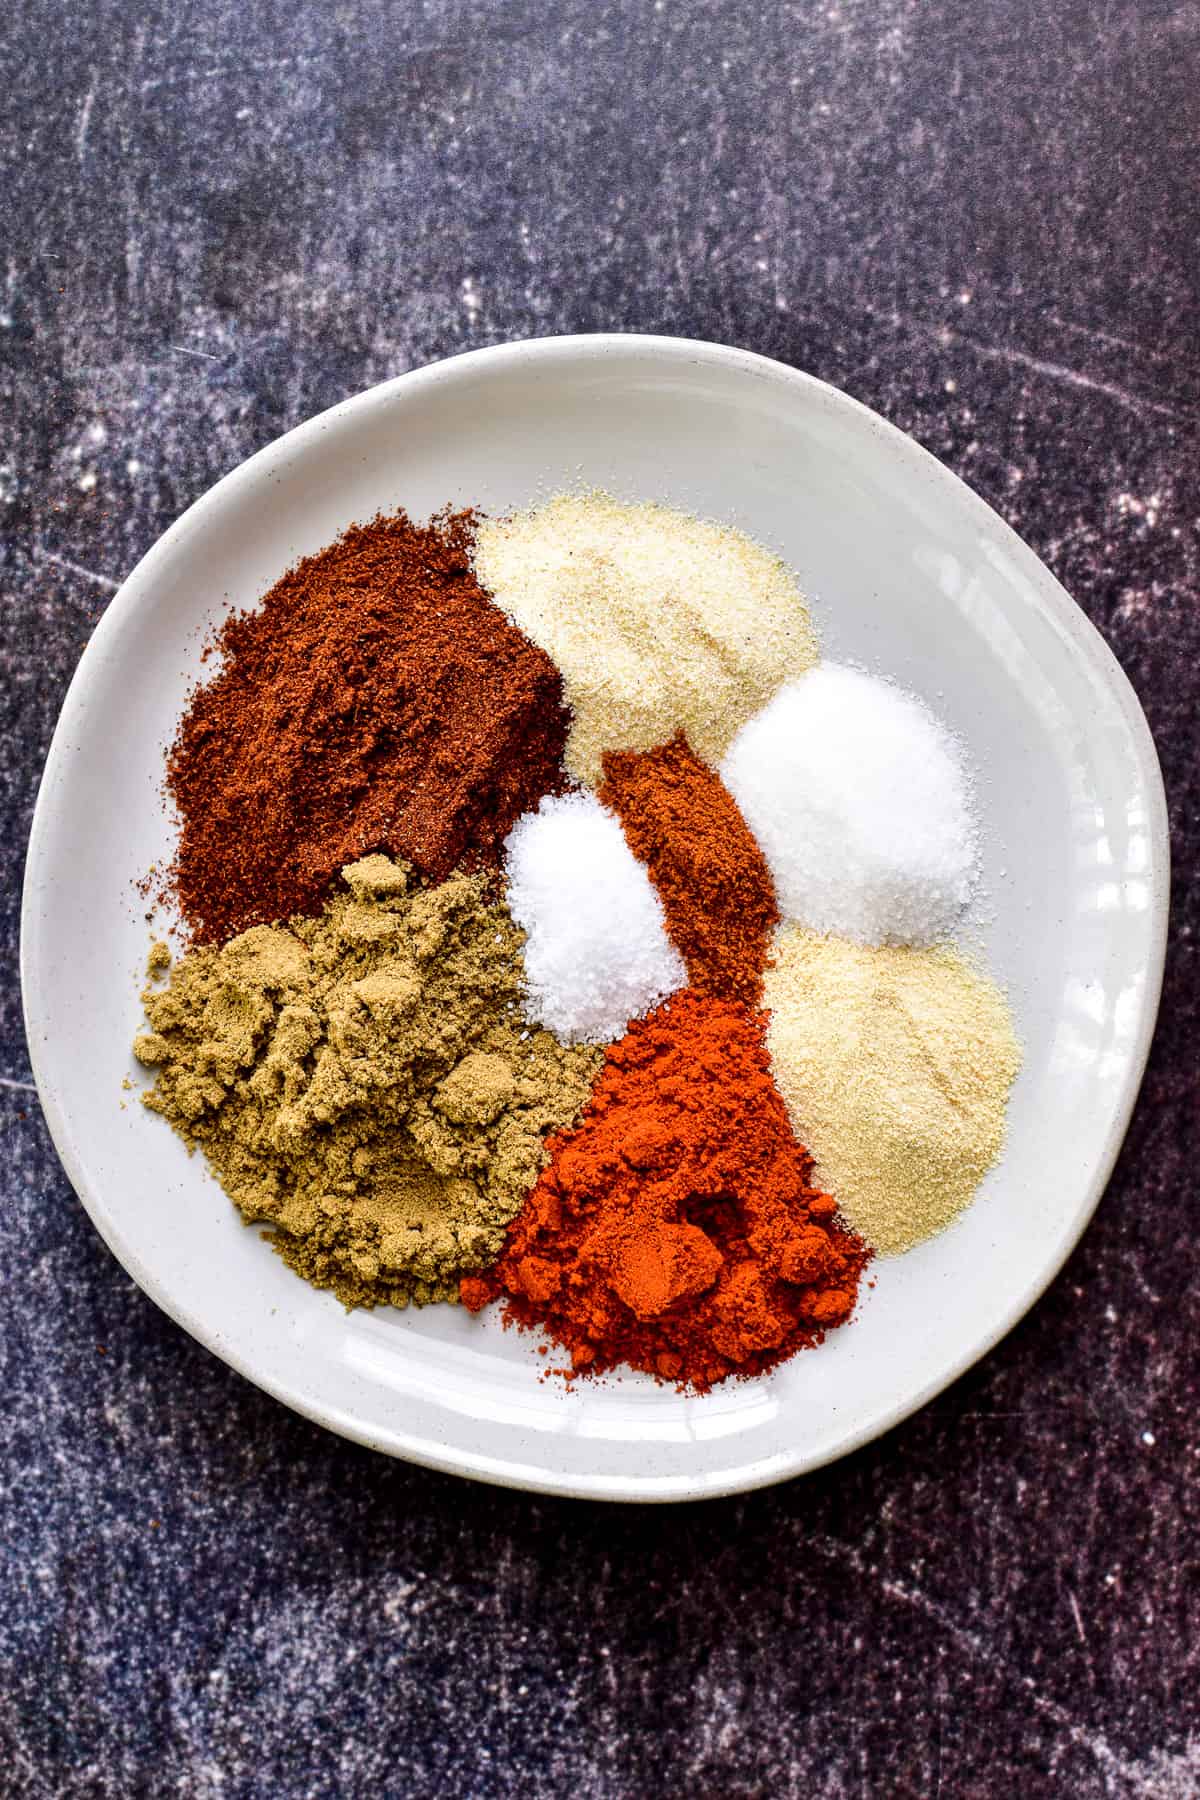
(712, 878)
(676, 1228)
(365, 1083)
(375, 700)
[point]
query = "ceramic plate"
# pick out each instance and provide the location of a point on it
(910, 573)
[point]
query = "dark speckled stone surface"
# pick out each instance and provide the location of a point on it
(982, 220)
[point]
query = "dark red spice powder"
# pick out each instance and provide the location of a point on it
(676, 1228)
(681, 821)
(377, 699)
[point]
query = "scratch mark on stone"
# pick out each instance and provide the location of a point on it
(184, 351)
(1078, 1617)
(270, 65)
(947, 338)
(133, 248)
(1094, 1742)
(1021, 359)
(1107, 337)
(20, 1087)
(74, 568)
(85, 119)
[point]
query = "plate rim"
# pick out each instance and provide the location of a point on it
(1050, 594)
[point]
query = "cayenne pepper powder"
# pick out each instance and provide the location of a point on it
(715, 886)
(676, 1228)
(376, 700)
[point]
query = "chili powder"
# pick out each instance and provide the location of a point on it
(375, 700)
(713, 880)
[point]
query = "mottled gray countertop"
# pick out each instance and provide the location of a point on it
(982, 219)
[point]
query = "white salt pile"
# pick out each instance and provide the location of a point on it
(597, 952)
(861, 802)
(659, 622)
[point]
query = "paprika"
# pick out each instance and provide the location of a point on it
(676, 1228)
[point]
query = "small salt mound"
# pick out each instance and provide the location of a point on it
(861, 802)
(597, 952)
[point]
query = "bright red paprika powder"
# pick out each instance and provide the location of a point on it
(676, 1228)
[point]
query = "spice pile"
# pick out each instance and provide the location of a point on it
(677, 1229)
(375, 700)
(562, 933)
(365, 1083)
(659, 622)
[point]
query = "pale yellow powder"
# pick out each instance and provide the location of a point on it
(659, 622)
(895, 1065)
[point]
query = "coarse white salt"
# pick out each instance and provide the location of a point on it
(597, 952)
(861, 801)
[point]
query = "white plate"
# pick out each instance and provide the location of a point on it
(910, 573)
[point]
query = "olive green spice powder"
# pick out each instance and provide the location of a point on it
(365, 1082)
